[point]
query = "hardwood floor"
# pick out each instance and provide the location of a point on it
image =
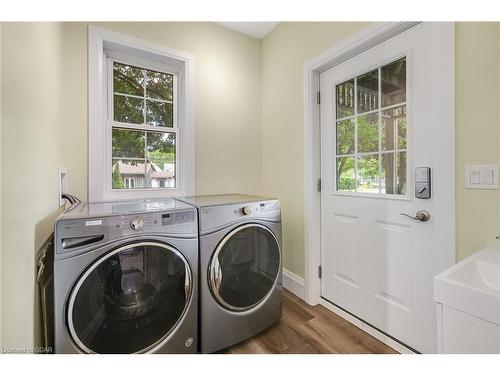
(306, 329)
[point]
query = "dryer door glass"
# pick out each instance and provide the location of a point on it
(130, 299)
(245, 267)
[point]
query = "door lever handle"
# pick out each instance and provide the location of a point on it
(421, 215)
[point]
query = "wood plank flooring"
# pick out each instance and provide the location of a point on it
(306, 329)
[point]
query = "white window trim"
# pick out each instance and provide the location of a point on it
(103, 44)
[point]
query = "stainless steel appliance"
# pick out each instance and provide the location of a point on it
(240, 267)
(126, 278)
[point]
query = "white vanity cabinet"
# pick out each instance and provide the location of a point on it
(467, 298)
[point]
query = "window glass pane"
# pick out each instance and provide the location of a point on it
(159, 85)
(367, 88)
(142, 159)
(128, 109)
(393, 82)
(388, 180)
(368, 177)
(128, 79)
(368, 133)
(161, 146)
(375, 131)
(128, 143)
(394, 124)
(345, 137)
(127, 174)
(160, 169)
(401, 183)
(394, 173)
(159, 173)
(345, 174)
(401, 131)
(345, 99)
(159, 113)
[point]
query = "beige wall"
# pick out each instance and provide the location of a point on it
(30, 154)
(284, 52)
(44, 124)
(290, 45)
(477, 131)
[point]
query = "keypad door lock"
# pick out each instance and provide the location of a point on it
(423, 182)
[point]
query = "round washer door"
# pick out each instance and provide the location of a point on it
(244, 267)
(130, 299)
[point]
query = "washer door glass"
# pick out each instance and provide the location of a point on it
(130, 299)
(244, 267)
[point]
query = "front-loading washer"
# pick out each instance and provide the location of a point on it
(240, 267)
(126, 278)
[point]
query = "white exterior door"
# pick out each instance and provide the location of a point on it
(384, 113)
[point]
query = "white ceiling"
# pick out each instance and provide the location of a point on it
(255, 29)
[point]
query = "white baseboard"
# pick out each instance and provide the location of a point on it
(293, 283)
(367, 328)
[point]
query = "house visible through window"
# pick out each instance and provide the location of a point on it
(371, 127)
(129, 182)
(143, 127)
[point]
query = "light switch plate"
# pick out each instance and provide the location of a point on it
(481, 176)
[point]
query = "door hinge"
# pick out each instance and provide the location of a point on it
(319, 185)
(319, 272)
(318, 97)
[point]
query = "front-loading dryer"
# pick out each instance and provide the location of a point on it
(240, 267)
(126, 278)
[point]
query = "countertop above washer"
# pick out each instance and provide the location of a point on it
(86, 210)
(222, 199)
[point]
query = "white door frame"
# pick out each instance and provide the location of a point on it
(359, 42)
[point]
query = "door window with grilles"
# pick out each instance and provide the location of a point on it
(371, 132)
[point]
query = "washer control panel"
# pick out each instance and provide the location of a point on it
(180, 217)
(76, 234)
(177, 222)
(137, 223)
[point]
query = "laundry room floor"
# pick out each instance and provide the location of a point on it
(306, 329)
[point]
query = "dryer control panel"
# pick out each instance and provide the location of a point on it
(215, 217)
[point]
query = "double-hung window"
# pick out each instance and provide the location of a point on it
(142, 116)
(141, 131)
